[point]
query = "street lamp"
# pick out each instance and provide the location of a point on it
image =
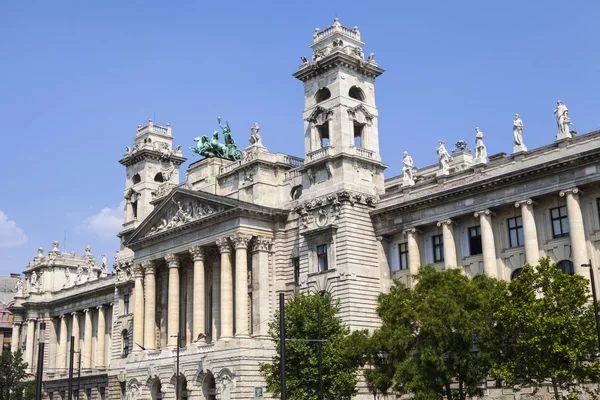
(589, 265)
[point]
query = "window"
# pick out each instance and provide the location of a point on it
(123, 391)
(356, 93)
(134, 209)
(324, 134)
(403, 252)
(598, 205)
(358, 134)
(560, 222)
(125, 340)
(515, 231)
(136, 179)
(322, 257)
(159, 177)
(88, 394)
(102, 393)
(322, 95)
(125, 304)
(438, 248)
(516, 273)
(475, 240)
(296, 264)
(566, 266)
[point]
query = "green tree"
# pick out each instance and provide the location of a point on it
(428, 342)
(545, 329)
(341, 351)
(13, 375)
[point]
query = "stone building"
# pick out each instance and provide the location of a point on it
(202, 262)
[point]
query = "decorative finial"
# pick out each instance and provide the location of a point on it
(55, 246)
(149, 119)
(40, 252)
(88, 250)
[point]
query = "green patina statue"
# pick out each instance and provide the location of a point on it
(212, 148)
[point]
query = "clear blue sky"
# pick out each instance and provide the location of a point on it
(77, 77)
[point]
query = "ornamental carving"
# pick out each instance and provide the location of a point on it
(172, 260)
(197, 253)
(240, 240)
(123, 270)
(223, 245)
(181, 213)
(138, 270)
(328, 209)
(147, 266)
(262, 244)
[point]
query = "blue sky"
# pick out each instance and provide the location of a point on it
(76, 78)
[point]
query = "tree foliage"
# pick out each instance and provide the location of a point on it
(13, 375)
(341, 351)
(427, 344)
(545, 329)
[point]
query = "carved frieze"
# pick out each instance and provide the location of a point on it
(184, 211)
(327, 209)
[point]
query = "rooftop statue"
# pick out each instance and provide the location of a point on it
(562, 120)
(212, 148)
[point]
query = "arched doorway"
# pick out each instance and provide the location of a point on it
(156, 391)
(566, 266)
(209, 387)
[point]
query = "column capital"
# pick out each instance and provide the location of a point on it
(100, 307)
(137, 270)
(485, 212)
(240, 240)
(172, 260)
(148, 267)
(61, 316)
(445, 222)
(197, 253)
(223, 245)
(411, 231)
(572, 191)
(526, 202)
(75, 313)
(86, 310)
(261, 243)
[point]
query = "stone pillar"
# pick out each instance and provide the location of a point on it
(62, 354)
(449, 246)
(173, 302)
(100, 339)
(189, 308)
(532, 249)
(138, 310)
(150, 306)
(14, 340)
(87, 340)
(240, 242)
(75, 335)
(216, 297)
(490, 267)
(29, 350)
(226, 288)
(198, 327)
(414, 254)
(261, 247)
(576, 230)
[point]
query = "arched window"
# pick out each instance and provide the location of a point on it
(296, 192)
(515, 274)
(566, 266)
(209, 388)
(136, 179)
(322, 95)
(156, 391)
(125, 343)
(356, 93)
(158, 177)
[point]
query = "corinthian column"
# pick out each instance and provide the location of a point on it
(150, 307)
(226, 288)
(414, 255)
(173, 303)
(61, 357)
(75, 335)
(240, 242)
(138, 311)
(100, 347)
(198, 327)
(261, 248)
(487, 243)
(30, 343)
(532, 249)
(87, 340)
(576, 229)
(449, 246)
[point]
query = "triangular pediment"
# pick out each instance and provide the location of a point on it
(319, 115)
(178, 209)
(360, 113)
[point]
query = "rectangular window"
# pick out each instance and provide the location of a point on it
(438, 248)
(123, 391)
(475, 240)
(403, 252)
(598, 205)
(125, 304)
(515, 232)
(560, 222)
(324, 134)
(102, 393)
(322, 257)
(296, 264)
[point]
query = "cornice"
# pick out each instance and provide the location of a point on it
(156, 155)
(336, 60)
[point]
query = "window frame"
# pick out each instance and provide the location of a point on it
(322, 254)
(517, 228)
(563, 220)
(477, 237)
(403, 255)
(126, 303)
(437, 242)
(296, 266)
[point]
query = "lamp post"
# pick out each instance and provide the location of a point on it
(594, 299)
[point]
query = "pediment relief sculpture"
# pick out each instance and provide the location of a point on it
(184, 211)
(327, 209)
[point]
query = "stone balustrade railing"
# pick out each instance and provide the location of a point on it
(320, 153)
(153, 128)
(353, 33)
(361, 152)
(292, 173)
(264, 156)
(293, 161)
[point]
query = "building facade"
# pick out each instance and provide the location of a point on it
(202, 261)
